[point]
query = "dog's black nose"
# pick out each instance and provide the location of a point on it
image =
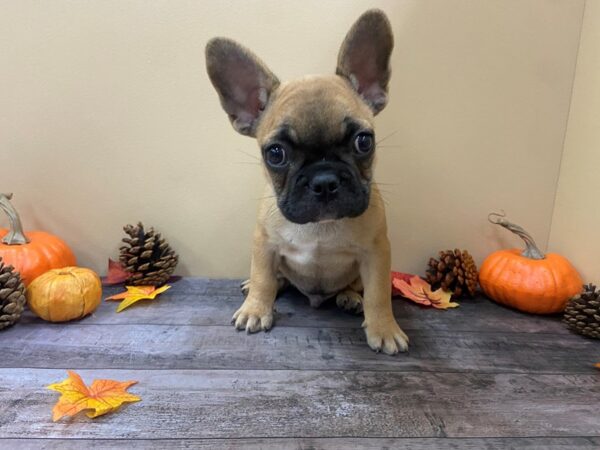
(324, 185)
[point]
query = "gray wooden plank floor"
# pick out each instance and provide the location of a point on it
(477, 377)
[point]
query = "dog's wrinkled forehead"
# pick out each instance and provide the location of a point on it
(314, 111)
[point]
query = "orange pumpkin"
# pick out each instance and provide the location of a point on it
(64, 294)
(527, 279)
(32, 253)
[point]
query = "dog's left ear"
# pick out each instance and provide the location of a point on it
(244, 83)
(364, 57)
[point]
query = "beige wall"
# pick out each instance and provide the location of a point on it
(107, 117)
(576, 222)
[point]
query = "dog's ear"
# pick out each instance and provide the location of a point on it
(243, 81)
(364, 57)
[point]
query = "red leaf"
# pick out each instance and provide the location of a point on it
(399, 276)
(116, 273)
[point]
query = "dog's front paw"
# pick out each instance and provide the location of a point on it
(253, 316)
(386, 336)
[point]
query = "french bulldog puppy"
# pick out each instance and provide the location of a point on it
(321, 226)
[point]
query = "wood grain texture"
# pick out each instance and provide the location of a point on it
(569, 443)
(240, 404)
(192, 347)
(477, 377)
(213, 302)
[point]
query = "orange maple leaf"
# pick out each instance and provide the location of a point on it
(597, 365)
(103, 396)
(136, 293)
(399, 276)
(419, 291)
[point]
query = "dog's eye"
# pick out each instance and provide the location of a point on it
(275, 156)
(364, 143)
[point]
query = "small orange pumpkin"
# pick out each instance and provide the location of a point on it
(527, 279)
(32, 253)
(65, 294)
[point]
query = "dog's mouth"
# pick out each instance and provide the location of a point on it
(302, 216)
(302, 207)
(315, 215)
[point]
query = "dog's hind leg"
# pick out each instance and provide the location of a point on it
(350, 299)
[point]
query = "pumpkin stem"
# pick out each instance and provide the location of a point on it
(531, 250)
(15, 235)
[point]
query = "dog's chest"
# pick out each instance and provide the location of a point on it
(316, 251)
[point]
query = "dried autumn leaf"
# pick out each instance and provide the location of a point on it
(419, 291)
(103, 396)
(440, 299)
(597, 365)
(412, 291)
(116, 273)
(399, 276)
(136, 293)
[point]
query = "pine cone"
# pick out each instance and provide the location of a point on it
(454, 272)
(12, 295)
(147, 256)
(582, 313)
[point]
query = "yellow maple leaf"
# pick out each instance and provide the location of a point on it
(440, 299)
(103, 396)
(136, 293)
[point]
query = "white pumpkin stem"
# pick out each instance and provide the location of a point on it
(531, 249)
(15, 235)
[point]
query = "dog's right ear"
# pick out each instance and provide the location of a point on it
(364, 58)
(243, 81)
